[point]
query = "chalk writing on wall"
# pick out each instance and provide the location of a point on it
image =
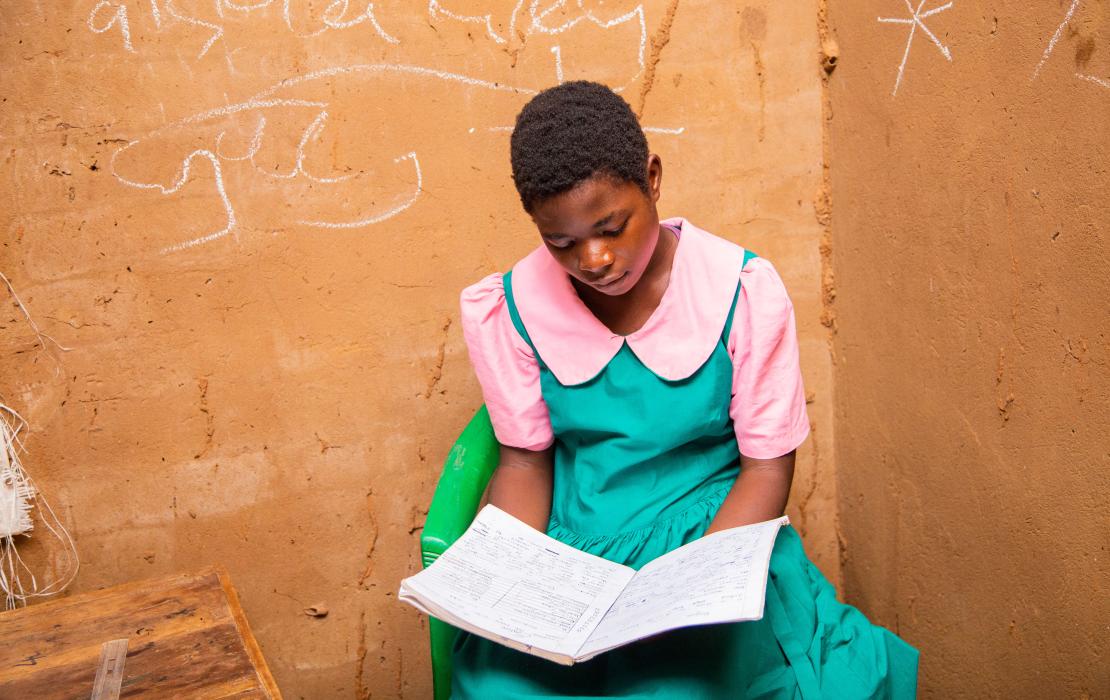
(220, 147)
(916, 21)
(558, 63)
(165, 15)
(516, 29)
(260, 107)
(300, 19)
(1055, 38)
(1094, 79)
(1090, 78)
(101, 22)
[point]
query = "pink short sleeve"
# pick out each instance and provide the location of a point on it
(506, 368)
(768, 406)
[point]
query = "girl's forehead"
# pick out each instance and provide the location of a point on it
(590, 204)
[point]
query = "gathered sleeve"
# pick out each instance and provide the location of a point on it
(768, 406)
(506, 367)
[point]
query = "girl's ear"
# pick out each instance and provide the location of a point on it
(654, 175)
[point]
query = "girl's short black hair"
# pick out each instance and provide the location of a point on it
(572, 132)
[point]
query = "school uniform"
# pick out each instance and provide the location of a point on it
(647, 431)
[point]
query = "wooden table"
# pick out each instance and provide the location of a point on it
(187, 638)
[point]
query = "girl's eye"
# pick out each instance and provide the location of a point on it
(615, 232)
(561, 243)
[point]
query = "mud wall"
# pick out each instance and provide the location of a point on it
(969, 182)
(247, 225)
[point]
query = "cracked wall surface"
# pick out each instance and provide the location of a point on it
(249, 224)
(969, 149)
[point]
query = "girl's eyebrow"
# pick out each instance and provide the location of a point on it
(600, 223)
(605, 221)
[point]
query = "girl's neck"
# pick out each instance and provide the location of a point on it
(627, 313)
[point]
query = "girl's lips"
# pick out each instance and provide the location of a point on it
(618, 278)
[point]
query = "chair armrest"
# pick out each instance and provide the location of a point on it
(466, 472)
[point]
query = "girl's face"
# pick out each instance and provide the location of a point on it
(603, 231)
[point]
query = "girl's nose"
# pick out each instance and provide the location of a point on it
(595, 257)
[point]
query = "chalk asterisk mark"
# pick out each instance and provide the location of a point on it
(916, 20)
(1055, 37)
(1052, 45)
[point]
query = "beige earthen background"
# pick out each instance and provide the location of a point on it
(972, 350)
(243, 385)
(280, 398)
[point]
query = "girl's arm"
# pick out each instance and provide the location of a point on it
(759, 493)
(521, 485)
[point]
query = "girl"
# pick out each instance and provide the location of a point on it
(642, 379)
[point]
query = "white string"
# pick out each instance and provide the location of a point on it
(13, 570)
(17, 580)
(42, 337)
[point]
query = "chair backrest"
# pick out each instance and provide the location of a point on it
(466, 473)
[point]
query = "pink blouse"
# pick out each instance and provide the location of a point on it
(768, 400)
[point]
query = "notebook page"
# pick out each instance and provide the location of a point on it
(718, 578)
(505, 579)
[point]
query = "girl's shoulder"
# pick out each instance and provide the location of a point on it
(490, 290)
(486, 314)
(712, 268)
(726, 267)
(488, 307)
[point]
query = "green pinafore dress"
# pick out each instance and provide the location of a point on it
(641, 466)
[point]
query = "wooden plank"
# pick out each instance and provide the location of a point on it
(58, 632)
(202, 663)
(188, 638)
(109, 672)
(251, 644)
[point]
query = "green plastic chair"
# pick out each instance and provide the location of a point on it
(466, 473)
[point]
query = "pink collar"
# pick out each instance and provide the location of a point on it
(677, 338)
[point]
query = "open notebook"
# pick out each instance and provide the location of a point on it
(508, 582)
